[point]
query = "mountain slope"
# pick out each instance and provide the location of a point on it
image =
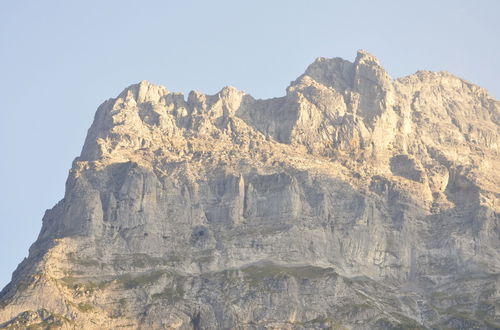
(354, 201)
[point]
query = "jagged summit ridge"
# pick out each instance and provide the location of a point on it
(342, 74)
(353, 201)
(335, 106)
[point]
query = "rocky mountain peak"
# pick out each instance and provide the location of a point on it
(333, 72)
(144, 91)
(364, 57)
(344, 75)
(353, 201)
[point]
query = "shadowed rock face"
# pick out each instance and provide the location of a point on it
(355, 201)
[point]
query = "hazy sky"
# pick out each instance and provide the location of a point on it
(60, 59)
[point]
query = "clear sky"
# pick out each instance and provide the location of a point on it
(60, 59)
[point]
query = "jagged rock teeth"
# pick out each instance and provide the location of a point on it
(353, 201)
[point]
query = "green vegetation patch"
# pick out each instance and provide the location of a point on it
(85, 262)
(85, 307)
(324, 323)
(82, 306)
(403, 323)
(142, 260)
(40, 319)
(79, 284)
(131, 282)
(138, 260)
(259, 272)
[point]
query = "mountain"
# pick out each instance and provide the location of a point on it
(354, 201)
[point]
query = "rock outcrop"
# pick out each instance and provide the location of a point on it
(354, 201)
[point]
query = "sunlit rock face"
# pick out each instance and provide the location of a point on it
(354, 201)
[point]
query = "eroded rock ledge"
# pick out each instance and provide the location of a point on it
(354, 201)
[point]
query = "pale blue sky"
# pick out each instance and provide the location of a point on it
(60, 59)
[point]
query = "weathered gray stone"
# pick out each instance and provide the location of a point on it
(355, 201)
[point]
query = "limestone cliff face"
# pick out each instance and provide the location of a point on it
(355, 201)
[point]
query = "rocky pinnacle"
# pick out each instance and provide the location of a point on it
(355, 201)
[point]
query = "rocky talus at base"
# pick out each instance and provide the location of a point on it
(355, 201)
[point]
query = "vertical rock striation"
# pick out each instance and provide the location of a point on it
(354, 201)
